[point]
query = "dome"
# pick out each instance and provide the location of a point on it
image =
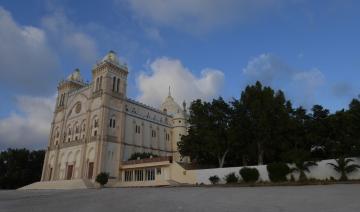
(111, 57)
(75, 76)
(170, 106)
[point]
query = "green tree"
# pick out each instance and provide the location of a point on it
(20, 167)
(344, 167)
(267, 115)
(208, 138)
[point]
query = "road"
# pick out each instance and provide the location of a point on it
(340, 198)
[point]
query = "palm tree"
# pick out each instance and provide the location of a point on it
(302, 167)
(343, 167)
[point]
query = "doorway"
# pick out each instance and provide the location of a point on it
(90, 170)
(69, 172)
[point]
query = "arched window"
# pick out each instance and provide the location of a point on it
(117, 85)
(100, 84)
(96, 123)
(112, 122)
(97, 84)
(114, 84)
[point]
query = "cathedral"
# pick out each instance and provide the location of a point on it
(96, 128)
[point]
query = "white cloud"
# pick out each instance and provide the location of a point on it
(301, 85)
(201, 15)
(69, 37)
(167, 72)
(25, 57)
(267, 68)
(30, 126)
(310, 79)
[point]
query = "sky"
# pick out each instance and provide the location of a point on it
(200, 48)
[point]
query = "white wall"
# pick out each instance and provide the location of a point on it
(322, 171)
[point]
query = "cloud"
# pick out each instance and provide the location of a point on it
(30, 126)
(201, 15)
(268, 69)
(301, 85)
(25, 57)
(167, 72)
(69, 37)
(342, 89)
(153, 34)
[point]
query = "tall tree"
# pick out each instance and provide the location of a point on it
(268, 115)
(208, 136)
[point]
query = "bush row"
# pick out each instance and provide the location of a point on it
(277, 173)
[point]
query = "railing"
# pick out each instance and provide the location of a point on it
(148, 160)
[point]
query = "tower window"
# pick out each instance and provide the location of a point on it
(117, 85)
(112, 123)
(153, 133)
(100, 83)
(97, 84)
(114, 83)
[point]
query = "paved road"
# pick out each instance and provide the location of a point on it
(340, 198)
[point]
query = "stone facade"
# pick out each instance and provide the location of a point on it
(96, 127)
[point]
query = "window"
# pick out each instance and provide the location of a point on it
(153, 133)
(95, 133)
(139, 175)
(100, 82)
(149, 174)
(158, 171)
(167, 136)
(112, 123)
(128, 175)
(117, 85)
(137, 129)
(114, 82)
(97, 84)
(96, 123)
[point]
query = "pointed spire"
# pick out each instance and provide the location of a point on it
(169, 92)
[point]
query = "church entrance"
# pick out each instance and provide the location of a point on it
(69, 172)
(90, 170)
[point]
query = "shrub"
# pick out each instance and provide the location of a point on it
(231, 178)
(278, 171)
(249, 174)
(102, 178)
(214, 179)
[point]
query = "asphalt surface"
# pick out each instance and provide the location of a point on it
(340, 198)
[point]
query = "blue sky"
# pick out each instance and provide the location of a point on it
(201, 48)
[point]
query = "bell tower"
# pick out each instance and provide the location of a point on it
(109, 81)
(110, 76)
